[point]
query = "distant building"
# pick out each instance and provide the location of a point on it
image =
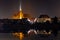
(43, 18)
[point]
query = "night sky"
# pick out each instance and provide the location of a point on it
(34, 7)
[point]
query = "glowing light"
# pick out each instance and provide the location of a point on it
(32, 30)
(30, 21)
(20, 35)
(20, 7)
(19, 15)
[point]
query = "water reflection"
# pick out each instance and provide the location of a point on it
(19, 35)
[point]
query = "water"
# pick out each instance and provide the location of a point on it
(9, 36)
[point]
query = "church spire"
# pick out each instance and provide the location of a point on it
(21, 13)
(20, 7)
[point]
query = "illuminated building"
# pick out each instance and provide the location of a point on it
(20, 14)
(43, 18)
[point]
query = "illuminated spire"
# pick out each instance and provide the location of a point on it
(20, 7)
(21, 13)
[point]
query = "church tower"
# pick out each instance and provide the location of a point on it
(20, 14)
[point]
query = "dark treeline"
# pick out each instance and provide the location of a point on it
(11, 25)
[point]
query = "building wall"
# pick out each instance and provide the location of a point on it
(43, 19)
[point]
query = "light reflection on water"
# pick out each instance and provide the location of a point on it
(36, 37)
(9, 36)
(19, 35)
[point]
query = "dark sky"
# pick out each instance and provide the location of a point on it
(34, 7)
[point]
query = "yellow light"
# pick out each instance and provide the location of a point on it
(19, 15)
(20, 35)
